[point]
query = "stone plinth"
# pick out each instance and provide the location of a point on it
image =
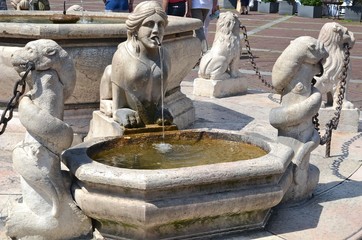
(348, 121)
(180, 106)
(219, 88)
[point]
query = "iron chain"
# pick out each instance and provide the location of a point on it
(333, 123)
(251, 57)
(18, 91)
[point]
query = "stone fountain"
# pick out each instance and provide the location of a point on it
(194, 200)
(186, 202)
(92, 46)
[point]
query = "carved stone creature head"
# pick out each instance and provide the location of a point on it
(140, 17)
(20, 4)
(334, 36)
(333, 33)
(302, 51)
(47, 55)
(228, 24)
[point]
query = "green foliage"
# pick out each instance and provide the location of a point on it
(311, 2)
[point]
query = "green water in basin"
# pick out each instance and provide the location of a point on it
(142, 153)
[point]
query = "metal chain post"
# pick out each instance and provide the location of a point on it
(7, 115)
(333, 123)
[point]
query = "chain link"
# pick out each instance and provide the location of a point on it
(333, 123)
(18, 91)
(251, 57)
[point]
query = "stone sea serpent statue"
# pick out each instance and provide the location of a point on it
(47, 210)
(137, 77)
(334, 37)
(292, 76)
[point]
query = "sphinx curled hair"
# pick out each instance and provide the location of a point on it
(140, 13)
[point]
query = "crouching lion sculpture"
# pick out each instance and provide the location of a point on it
(221, 62)
(48, 210)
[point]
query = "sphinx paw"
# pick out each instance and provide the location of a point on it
(128, 118)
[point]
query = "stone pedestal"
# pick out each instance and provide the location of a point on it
(177, 103)
(348, 122)
(219, 88)
(181, 108)
(103, 126)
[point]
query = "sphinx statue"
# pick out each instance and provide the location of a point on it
(139, 70)
(47, 210)
(292, 77)
(135, 83)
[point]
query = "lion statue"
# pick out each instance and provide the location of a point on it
(334, 36)
(221, 61)
(292, 76)
(42, 5)
(37, 157)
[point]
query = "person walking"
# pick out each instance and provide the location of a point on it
(118, 5)
(181, 8)
(3, 5)
(200, 9)
(243, 6)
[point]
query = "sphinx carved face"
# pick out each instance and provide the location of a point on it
(153, 26)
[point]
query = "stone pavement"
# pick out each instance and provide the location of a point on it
(334, 211)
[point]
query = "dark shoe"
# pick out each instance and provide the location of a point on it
(246, 12)
(242, 13)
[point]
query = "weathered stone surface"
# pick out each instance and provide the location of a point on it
(219, 75)
(219, 88)
(334, 37)
(140, 83)
(292, 76)
(188, 201)
(91, 46)
(222, 60)
(348, 121)
(47, 210)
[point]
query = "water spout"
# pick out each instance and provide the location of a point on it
(157, 40)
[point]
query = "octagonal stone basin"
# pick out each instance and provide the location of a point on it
(183, 202)
(92, 47)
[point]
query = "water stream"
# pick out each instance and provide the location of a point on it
(82, 19)
(162, 147)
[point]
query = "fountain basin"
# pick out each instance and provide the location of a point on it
(183, 202)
